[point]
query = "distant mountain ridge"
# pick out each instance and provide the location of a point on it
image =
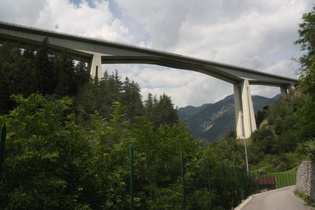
(213, 121)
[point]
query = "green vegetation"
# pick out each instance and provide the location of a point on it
(286, 178)
(68, 139)
(306, 198)
(273, 147)
(54, 162)
(67, 142)
(288, 136)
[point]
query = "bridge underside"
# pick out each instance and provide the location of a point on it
(97, 52)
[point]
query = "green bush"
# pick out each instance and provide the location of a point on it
(308, 149)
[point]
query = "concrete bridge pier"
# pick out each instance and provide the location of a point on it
(96, 66)
(244, 110)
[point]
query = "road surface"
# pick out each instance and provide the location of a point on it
(280, 199)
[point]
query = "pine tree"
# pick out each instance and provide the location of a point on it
(66, 84)
(43, 69)
(160, 111)
(6, 68)
(307, 79)
(82, 75)
(307, 42)
(131, 99)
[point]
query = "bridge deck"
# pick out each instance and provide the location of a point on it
(111, 52)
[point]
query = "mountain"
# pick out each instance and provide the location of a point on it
(213, 121)
(189, 111)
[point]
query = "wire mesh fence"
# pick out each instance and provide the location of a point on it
(269, 181)
(181, 183)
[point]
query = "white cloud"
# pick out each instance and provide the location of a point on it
(184, 87)
(64, 16)
(81, 19)
(252, 34)
(24, 12)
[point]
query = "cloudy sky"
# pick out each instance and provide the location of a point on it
(256, 34)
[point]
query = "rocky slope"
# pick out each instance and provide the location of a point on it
(212, 121)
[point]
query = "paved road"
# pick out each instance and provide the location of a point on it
(280, 199)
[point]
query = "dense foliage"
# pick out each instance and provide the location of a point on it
(273, 146)
(28, 71)
(288, 135)
(68, 139)
(53, 162)
(306, 112)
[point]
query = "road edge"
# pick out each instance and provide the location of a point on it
(252, 196)
(244, 203)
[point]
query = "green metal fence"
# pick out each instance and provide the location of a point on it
(221, 183)
(2, 144)
(270, 181)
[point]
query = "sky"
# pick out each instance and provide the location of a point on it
(255, 34)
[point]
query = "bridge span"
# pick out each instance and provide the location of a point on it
(97, 52)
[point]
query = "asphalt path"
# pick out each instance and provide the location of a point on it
(280, 199)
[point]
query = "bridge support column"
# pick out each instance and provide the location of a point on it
(284, 91)
(244, 110)
(96, 66)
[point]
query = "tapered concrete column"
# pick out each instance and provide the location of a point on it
(96, 66)
(244, 110)
(284, 91)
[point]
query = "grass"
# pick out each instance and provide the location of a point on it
(305, 197)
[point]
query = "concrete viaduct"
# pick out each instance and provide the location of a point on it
(97, 52)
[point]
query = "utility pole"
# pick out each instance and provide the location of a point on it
(246, 158)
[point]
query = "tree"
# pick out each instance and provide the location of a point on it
(100, 97)
(8, 55)
(161, 111)
(16, 70)
(65, 155)
(131, 99)
(82, 75)
(24, 71)
(43, 69)
(65, 76)
(46, 157)
(306, 114)
(306, 39)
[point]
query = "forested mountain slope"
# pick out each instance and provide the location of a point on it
(213, 121)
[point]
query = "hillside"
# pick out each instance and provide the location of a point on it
(212, 121)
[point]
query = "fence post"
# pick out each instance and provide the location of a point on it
(2, 144)
(183, 179)
(224, 179)
(246, 176)
(131, 177)
(209, 180)
(233, 183)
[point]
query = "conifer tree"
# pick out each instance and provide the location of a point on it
(43, 69)
(306, 112)
(160, 111)
(131, 99)
(307, 42)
